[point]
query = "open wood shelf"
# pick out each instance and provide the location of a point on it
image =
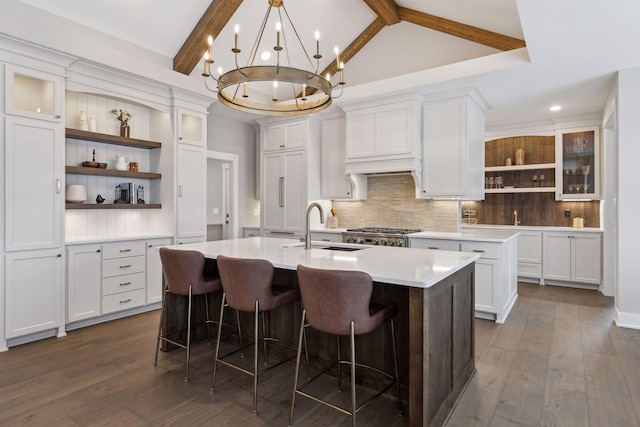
(110, 139)
(520, 167)
(113, 206)
(521, 190)
(80, 170)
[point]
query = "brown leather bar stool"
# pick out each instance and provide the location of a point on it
(248, 286)
(184, 275)
(338, 302)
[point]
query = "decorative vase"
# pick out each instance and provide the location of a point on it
(125, 130)
(333, 221)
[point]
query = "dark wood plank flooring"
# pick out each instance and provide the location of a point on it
(559, 360)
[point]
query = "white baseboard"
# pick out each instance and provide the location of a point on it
(627, 320)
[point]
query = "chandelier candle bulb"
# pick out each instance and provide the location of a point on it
(337, 52)
(207, 65)
(275, 91)
(237, 30)
(317, 44)
(210, 43)
(244, 93)
(278, 29)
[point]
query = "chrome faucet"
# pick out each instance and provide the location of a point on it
(516, 221)
(307, 235)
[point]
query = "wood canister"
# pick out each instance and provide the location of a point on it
(520, 156)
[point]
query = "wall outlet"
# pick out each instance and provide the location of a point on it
(567, 213)
(216, 211)
(256, 212)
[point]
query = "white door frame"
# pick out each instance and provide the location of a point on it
(233, 187)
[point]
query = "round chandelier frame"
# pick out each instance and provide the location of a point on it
(314, 92)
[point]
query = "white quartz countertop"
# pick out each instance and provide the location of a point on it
(479, 235)
(119, 238)
(420, 268)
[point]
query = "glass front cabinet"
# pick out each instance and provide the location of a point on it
(578, 163)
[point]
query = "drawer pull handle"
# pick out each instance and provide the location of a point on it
(125, 266)
(433, 247)
(125, 284)
(326, 240)
(124, 301)
(125, 250)
(478, 250)
(98, 250)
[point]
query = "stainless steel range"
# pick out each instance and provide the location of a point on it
(377, 236)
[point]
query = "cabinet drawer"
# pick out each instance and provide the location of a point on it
(122, 249)
(443, 245)
(128, 282)
(526, 269)
(486, 250)
(122, 301)
(120, 266)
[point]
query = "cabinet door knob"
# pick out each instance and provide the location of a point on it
(179, 138)
(98, 250)
(59, 255)
(58, 116)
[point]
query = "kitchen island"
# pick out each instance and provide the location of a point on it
(434, 291)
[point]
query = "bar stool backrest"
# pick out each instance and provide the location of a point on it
(246, 281)
(183, 269)
(334, 298)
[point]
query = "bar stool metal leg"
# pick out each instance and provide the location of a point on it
(353, 375)
(255, 360)
(339, 364)
(295, 377)
(162, 311)
(186, 374)
(217, 352)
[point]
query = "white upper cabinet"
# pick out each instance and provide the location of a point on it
(335, 183)
(453, 145)
(284, 136)
(578, 163)
(192, 128)
(383, 135)
(33, 93)
(34, 184)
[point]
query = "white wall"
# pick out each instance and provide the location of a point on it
(230, 136)
(627, 298)
(214, 191)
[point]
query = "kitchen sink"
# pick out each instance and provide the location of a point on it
(320, 245)
(338, 248)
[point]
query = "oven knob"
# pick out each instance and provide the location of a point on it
(392, 242)
(375, 242)
(384, 242)
(359, 240)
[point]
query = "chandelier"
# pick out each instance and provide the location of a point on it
(243, 88)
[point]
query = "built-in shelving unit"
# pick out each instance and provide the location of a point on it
(91, 171)
(520, 167)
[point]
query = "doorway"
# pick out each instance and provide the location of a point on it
(222, 200)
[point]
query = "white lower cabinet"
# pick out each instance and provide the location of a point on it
(154, 269)
(572, 257)
(495, 273)
(123, 280)
(251, 232)
(33, 292)
(530, 254)
(84, 278)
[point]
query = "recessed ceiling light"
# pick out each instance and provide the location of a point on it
(555, 108)
(265, 55)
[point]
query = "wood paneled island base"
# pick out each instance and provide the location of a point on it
(434, 326)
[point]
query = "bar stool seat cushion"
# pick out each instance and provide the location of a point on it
(246, 281)
(185, 268)
(334, 298)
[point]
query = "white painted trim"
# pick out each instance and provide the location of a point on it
(627, 320)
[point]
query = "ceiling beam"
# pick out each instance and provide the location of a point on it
(351, 50)
(474, 34)
(212, 22)
(387, 10)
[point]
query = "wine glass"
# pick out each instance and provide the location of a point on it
(541, 180)
(578, 187)
(490, 182)
(535, 180)
(586, 188)
(571, 187)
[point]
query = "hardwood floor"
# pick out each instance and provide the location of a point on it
(558, 360)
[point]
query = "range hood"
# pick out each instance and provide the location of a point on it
(383, 136)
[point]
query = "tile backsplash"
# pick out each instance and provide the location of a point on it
(392, 202)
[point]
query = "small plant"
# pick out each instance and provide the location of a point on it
(123, 115)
